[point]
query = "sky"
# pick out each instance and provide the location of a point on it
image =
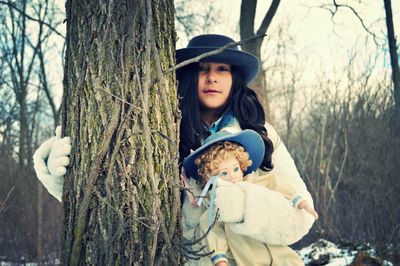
(318, 45)
(325, 42)
(313, 29)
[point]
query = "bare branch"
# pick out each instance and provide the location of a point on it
(41, 22)
(334, 8)
(187, 247)
(268, 17)
(213, 52)
(190, 61)
(340, 175)
(357, 15)
(120, 99)
(3, 203)
(138, 219)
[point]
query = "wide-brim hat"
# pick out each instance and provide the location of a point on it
(249, 139)
(248, 64)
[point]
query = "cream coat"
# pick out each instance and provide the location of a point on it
(244, 250)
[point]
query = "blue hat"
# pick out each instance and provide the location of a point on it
(248, 64)
(249, 139)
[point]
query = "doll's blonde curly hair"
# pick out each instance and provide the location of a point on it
(208, 162)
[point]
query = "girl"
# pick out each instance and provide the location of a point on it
(214, 96)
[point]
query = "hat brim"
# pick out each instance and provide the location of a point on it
(248, 64)
(249, 139)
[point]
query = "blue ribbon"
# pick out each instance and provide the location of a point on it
(211, 181)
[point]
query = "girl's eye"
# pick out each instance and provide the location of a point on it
(203, 68)
(224, 173)
(223, 68)
(236, 169)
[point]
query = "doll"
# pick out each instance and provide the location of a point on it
(231, 159)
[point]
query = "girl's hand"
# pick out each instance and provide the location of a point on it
(189, 188)
(50, 161)
(184, 178)
(58, 158)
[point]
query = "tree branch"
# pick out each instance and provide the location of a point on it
(41, 22)
(268, 17)
(3, 203)
(334, 9)
(213, 52)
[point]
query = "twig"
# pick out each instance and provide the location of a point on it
(336, 8)
(190, 61)
(3, 204)
(213, 52)
(119, 98)
(138, 219)
(195, 254)
(346, 151)
(88, 191)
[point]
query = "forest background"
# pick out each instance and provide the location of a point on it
(328, 89)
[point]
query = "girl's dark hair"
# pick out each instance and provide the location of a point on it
(243, 101)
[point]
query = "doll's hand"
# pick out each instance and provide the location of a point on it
(306, 206)
(230, 200)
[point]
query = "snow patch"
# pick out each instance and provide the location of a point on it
(327, 253)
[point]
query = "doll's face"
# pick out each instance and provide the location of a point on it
(230, 170)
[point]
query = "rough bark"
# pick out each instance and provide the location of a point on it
(121, 193)
(247, 16)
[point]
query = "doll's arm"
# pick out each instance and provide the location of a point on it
(286, 190)
(308, 208)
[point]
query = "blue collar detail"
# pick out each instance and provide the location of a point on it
(225, 120)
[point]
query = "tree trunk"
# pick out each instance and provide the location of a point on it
(23, 156)
(247, 16)
(121, 193)
(39, 238)
(393, 60)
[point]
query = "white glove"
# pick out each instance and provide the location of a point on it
(55, 150)
(230, 200)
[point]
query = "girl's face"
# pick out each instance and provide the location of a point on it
(230, 170)
(214, 85)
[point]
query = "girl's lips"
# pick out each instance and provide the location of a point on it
(210, 91)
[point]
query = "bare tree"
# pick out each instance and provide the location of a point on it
(24, 32)
(285, 73)
(394, 60)
(194, 17)
(247, 16)
(121, 193)
(335, 6)
(348, 155)
(20, 50)
(14, 45)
